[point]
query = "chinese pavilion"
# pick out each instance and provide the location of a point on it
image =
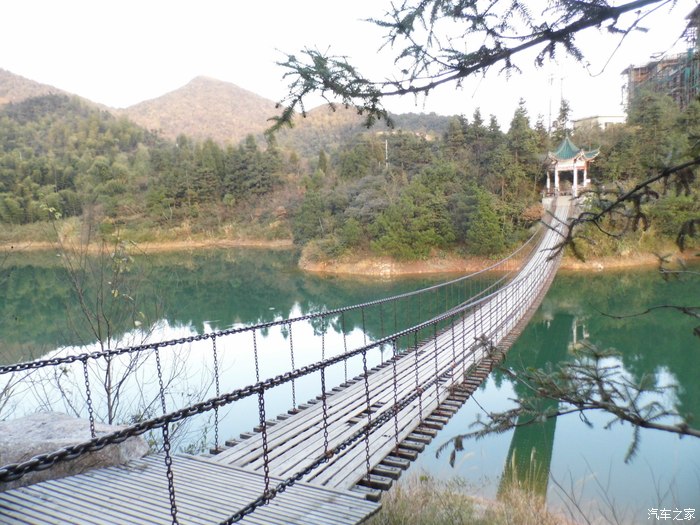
(569, 157)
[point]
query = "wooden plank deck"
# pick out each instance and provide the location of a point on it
(207, 492)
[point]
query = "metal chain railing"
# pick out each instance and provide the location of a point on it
(291, 357)
(13, 471)
(166, 445)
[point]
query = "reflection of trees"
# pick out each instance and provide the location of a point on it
(646, 345)
(660, 340)
(221, 288)
(217, 288)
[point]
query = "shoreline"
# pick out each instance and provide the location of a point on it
(384, 267)
(374, 266)
(161, 247)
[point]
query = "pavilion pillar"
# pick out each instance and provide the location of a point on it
(556, 179)
(586, 182)
(548, 183)
(575, 188)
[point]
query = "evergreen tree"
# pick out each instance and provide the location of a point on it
(455, 140)
(560, 126)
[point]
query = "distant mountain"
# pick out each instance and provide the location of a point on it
(15, 88)
(210, 108)
(205, 108)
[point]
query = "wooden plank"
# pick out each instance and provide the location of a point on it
(483, 368)
(295, 439)
(387, 471)
(20, 507)
(376, 482)
(394, 461)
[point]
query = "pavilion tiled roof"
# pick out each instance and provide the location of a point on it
(567, 150)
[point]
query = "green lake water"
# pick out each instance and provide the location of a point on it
(189, 293)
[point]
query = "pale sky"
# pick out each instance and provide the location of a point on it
(122, 52)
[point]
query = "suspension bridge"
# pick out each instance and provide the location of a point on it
(373, 404)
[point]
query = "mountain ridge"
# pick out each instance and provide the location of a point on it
(209, 108)
(205, 108)
(16, 88)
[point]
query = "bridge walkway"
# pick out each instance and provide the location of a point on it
(454, 364)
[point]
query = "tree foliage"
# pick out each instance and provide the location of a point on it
(436, 42)
(60, 153)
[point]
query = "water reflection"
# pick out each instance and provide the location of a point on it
(184, 297)
(565, 458)
(208, 290)
(196, 293)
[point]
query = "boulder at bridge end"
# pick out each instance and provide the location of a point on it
(24, 438)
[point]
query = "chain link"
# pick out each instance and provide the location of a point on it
(345, 345)
(44, 461)
(435, 354)
(324, 406)
(291, 354)
(166, 444)
(169, 474)
(263, 429)
(369, 411)
(47, 460)
(255, 353)
(31, 365)
(323, 458)
(88, 399)
(218, 393)
(396, 393)
(419, 390)
(323, 340)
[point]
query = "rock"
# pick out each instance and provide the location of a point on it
(26, 437)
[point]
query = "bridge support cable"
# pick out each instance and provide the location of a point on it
(88, 397)
(217, 385)
(167, 456)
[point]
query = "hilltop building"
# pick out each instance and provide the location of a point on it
(677, 76)
(597, 121)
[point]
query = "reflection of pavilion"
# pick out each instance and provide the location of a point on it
(530, 452)
(569, 157)
(579, 333)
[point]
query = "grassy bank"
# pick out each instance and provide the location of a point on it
(42, 236)
(423, 500)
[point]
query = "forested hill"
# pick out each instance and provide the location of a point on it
(207, 108)
(472, 188)
(61, 157)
